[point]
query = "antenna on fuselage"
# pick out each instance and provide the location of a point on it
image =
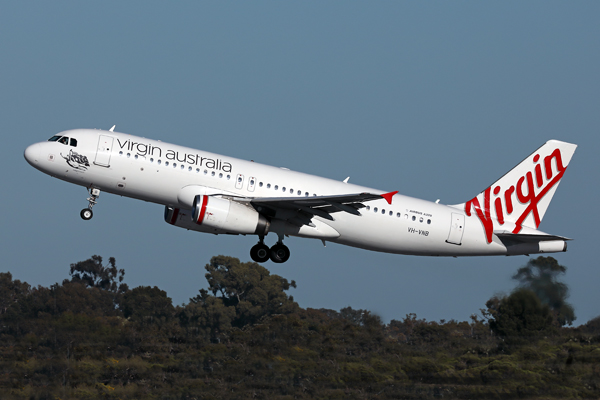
(346, 180)
(112, 129)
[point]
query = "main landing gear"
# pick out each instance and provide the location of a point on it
(87, 213)
(278, 253)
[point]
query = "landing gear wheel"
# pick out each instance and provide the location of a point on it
(86, 214)
(279, 253)
(260, 252)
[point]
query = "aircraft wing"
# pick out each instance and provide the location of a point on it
(304, 208)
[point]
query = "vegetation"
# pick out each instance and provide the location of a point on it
(245, 337)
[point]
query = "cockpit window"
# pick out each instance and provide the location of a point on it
(73, 142)
(54, 138)
(64, 140)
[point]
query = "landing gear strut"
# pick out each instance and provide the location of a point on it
(87, 213)
(278, 253)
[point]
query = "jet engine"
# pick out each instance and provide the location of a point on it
(218, 216)
(226, 215)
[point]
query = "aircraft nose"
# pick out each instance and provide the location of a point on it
(32, 153)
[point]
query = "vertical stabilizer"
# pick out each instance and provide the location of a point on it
(521, 197)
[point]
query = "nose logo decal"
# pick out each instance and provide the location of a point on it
(76, 161)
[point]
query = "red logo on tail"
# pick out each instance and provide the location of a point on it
(525, 194)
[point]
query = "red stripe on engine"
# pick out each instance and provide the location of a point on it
(174, 216)
(202, 210)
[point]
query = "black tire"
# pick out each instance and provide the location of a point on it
(260, 252)
(279, 253)
(86, 214)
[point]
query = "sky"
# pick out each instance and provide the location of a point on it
(434, 99)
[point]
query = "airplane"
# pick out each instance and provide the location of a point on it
(217, 194)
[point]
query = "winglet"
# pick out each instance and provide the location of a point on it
(388, 196)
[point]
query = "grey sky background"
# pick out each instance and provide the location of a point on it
(434, 99)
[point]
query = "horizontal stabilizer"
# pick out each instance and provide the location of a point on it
(526, 238)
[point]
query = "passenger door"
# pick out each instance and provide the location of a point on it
(104, 150)
(457, 227)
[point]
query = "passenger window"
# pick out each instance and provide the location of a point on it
(375, 209)
(414, 218)
(276, 187)
(368, 208)
(421, 219)
(73, 142)
(283, 189)
(260, 184)
(299, 192)
(220, 175)
(428, 222)
(166, 162)
(268, 186)
(383, 211)
(391, 213)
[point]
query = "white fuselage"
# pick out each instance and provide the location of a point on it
(157, 172)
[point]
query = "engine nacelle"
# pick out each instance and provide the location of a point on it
(229, 216)
(183, 219)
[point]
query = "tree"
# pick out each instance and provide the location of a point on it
(250, 288)
(207, 314)
(76, 298)
(540, 275)
(11, 291)
(92, 273)
(147, 305)
(520, 315)
(360, 317)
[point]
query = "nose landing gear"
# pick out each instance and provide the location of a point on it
(87, 213)
(278, 253)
